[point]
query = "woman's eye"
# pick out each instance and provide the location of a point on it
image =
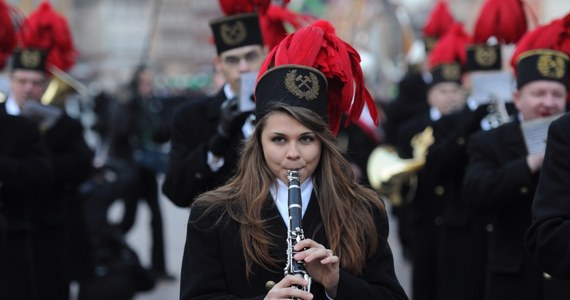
(307, 139)
(278, 139)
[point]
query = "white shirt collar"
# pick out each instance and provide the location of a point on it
(228, 91)
(434, 114)
(12, 107)
(280, 194)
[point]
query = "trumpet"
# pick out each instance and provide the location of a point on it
(388, 173)
(295, 232)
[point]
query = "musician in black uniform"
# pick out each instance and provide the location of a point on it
(206, 134)
(236, 243)
(501, 176)
(462, 254)
(548, 237)
(59, 239)
(445, 96)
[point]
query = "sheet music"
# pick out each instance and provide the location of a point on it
(247, 86)
(492, 85)
(535, 133)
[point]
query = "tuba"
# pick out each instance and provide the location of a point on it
(388, 173)
(295, 232)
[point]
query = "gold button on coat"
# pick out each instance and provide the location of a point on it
(269, 285)
(439, 190)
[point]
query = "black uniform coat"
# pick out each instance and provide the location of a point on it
(214, 266)
(59, 236)
(61, 232)
(463, 238)
(189, 174)
(549, 235)
(25, 175)
(420, 218)
(499, 181)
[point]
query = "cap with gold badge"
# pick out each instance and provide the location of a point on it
(44, 41)
(315, 69)
(543, 54)
(240, 25)
(500, 22)
(448, 56)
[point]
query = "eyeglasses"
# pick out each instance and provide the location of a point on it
(249, 57)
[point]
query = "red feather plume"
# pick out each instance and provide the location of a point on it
(451, 47)
(555, 36)
(562, 41)
(503, 19)
(7, 33)
(318, 46)
(273, 23)
(235, 7)
(438, 21)
(46, 29)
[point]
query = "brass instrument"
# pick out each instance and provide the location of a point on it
(388, 173)
(295, 231)
(60, 86)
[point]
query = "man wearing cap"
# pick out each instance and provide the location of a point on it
(71, 159)
(206, 134)
(463, 231)
(25, 177)
(502, 176)
(445, 96)
(58, 236)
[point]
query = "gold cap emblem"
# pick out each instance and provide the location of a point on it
(551, 66)
(485, 56)
(451, 72)
(31, 58)
(233, 34)
(302, 86)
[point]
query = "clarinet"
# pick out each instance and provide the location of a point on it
(295, 232)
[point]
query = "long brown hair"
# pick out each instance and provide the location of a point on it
(346, 207)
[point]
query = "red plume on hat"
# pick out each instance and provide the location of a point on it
(451, 47)
(503, 19)
(273, 23)
(236, 7)
(7, 33)
(554, 36)
(317, 46)
(46, 29)
(439, 20)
